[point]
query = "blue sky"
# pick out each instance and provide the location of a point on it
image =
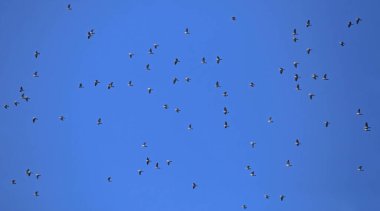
(76, 156)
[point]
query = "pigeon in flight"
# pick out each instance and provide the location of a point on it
(155, 45)
(175, 80)
(295, 64)
(311, 95)
(35, 74)
(110, 85)
(314, 76)
(140, 171)
(217, 85)
(253, 144)
(281, 70)
(325, 77)
(90, 33)
(297, 143)
(21, 89)
(252, 174)
(298, 88)
(13, 182)
(358, 20)
(157, 166)
(194, 185)
(147, 67)
(165, 106)
(36, 54)
(358, 112)
(168, 162)
(233, 18)
(203, 60)
(251, 84)
(226, 124)
(187, 79)
(266, 196)
(6, 106)
(308, 50)
(341, 43)
(150, 90)
(218, 59)
(26, 98)
(34, 119)
(366, 127)
(150, 51)
(147, 161)
(96, 82)
(248, 167)
(308, 23)
(16, 103)
(177, 110)
(294, 32)
(61, 118)
(187, 32)
(244, 206)
(176, 61)
(80, 85)
(270, 120)
(38, 176)
(360, 168)
(189, 127)
(327, 123)
(225, 111)
(28, 172)
(130, 83)
(295, 39)
(69, 7)
(130, 54)
(288, 163)
(144, 145)
(225, 94)
(36, 194)
(349, 24)
(109, 179)
(296, 77)
(282, 197)
(99, 122)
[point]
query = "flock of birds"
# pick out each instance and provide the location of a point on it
(218, 60)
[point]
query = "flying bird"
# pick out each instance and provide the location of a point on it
(282, 197)
(341, 43)
(349, 24)
(308, 50)
(147, 161)
(225, 94)
(147, 67)
(233, 18)
(34, 119)
(109, 179)
(294, 32)
(253, 144)
(150, 90)
(187, 32)
(295, 64)
(251, 84)
(325, 77)
(360, 168)
(252, 174)
(189, 127)
(6, 106)
(90, 33)
(150, 51)
(157, 166)
(69, 7)
(194, 185)
(140, 171)
(217, 85)
(295, 39)
(203, 60)
(281, 70)
(248, 167)
(13, 182)
(36, 54)
(226, 124)
(288, 163)
(38, 176)
(61, 118)
(168, 162)
(165, 106)
(96, 82)
(80, 85)
(327, 123)
(130, 83)
(176, 61)
(218, 59)
(225, 111)
(297, 143)
(35, 74)
(175, 80)
(298, 88)
(21, 89)
(110, 85)
(358, 20)
(311, 95)
(266, 196)
(296, 77)
(366, 127)
(16, 103)
(99, 122)
(144, 145)
(177, 110)
(130, 54)
(28, 172)
(155, 45)
(308, 23)
(187, 79)
(270, 120)
(36, 194)
(358, 112)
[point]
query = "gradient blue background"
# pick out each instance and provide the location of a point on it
(76, 156)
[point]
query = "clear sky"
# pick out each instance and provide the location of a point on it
(75, 156)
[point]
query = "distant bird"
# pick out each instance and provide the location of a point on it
(225, 94)
(281, 70)
(308, 50)
(203, 61)
(217, 85)
(366, 127)
(295, 64)
(110, 85)
(325, 77)
(13, 182)
(69, 7)
(168, 162)
(165, 106)
(6, 106)
(253, 144)
(36, 194)
(252, 174)
(155, 45)
(244, 206)
(109, 179)
(226, 124)
(327, 123)
(248, 167)
(61, 118)
(189, 127)
(266, 196)
(34, 119)
(147, 161)
(233, 18)
(294, 32)
(140, 171)
(218, 59)
(130, 54)
(187, 32)
(251, 84)
(295, 39)
(177, 110)
(296, 77)
(36, 54)
(358, 112)
(99, 122)
(282, 197)
(150, 90)
(225, 111)
(21, 89)
(130, 83)
(298, 88)
(360, 168)
(349, 24)
(38, 176)
(176, 61)
(288, 163)
(81, 85)
(157, 166)
(311, 95)
(90, 33)
(147, 67)
(341, 43)
(16, 103)
(270, 120)
(194, 185)
(35, 74)
(28, 172)
(297, 143)
(358, 20)
(175, 80)
(150, 51)
(144, 145)
(96, 82)
(308, 23)
(187, 79)
(24, 97)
